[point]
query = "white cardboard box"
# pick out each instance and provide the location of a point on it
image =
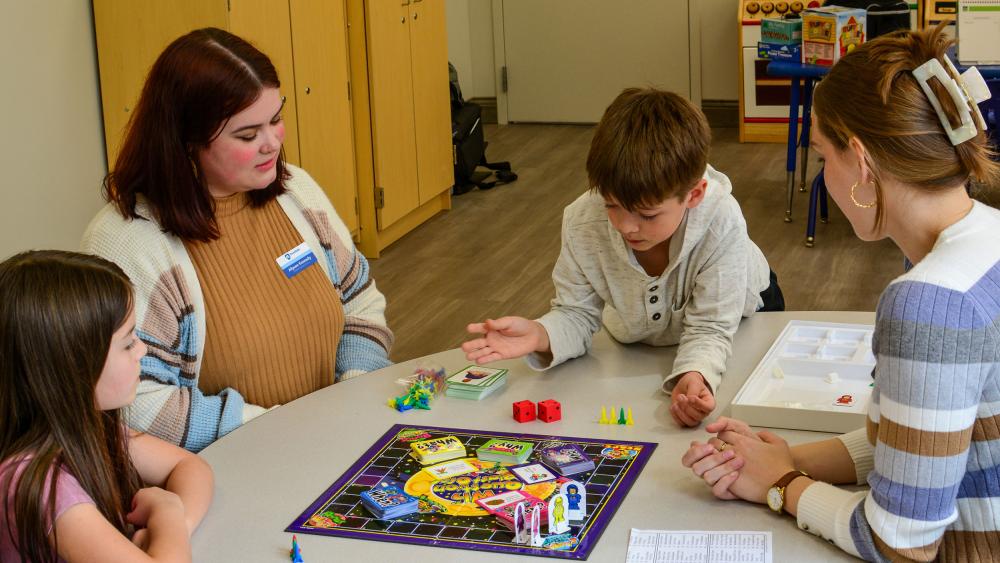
(816, 376)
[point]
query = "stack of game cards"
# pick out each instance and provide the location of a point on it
(502, 506)
(505, 451)
(388, 500)
(475, 382)
(566, 459)
(429, 452)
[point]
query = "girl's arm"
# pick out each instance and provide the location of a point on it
(85, 536)
(176, 470)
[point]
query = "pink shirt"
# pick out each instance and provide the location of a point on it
(68, 493)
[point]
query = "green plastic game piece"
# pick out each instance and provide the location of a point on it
(621, 416)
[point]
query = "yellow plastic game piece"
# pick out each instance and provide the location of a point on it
(628, 419)
(604, 417)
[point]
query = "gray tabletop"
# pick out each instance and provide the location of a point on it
(271, 469)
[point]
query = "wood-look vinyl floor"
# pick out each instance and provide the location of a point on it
(493, 253)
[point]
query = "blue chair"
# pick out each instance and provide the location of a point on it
(817, 198)
(991, 113)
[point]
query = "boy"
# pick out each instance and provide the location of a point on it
(657, 249)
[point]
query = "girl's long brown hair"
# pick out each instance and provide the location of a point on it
(199, 81)
(58, 313)
(871, 94)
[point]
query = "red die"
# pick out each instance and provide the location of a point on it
(524, 411)
(549, 411)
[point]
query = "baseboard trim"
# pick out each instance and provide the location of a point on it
(721, 113)
(489, 106)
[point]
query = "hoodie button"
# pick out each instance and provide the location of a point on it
(654, 299)
(656, 316)
(654, 288)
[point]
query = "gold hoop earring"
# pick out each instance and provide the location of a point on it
(856, 202)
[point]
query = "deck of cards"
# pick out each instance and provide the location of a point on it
(566, 459)
(429, 452)
(475, 382)
(387, 501)
(505, 451)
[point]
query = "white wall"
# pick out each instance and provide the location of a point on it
(719, 50)
(459, 48)
(470, 46)
(52, 149)
(470, 40)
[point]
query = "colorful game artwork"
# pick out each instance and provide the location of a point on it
(449, 515)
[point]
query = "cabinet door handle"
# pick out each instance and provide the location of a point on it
(308, 90)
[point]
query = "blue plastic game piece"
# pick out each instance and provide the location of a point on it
(295, 554)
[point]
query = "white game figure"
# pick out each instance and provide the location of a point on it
(576, 495)
(521, 535)
(558, 514)
(536, 526)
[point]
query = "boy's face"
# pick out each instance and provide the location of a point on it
(647, 227)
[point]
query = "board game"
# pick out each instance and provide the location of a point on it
(816, 376)
(449, 515)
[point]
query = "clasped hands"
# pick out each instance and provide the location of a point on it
(738, 463)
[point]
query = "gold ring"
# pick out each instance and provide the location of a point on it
(723, 446)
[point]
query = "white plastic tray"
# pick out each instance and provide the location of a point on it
(801, 381)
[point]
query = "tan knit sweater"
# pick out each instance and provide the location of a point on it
(272, 338)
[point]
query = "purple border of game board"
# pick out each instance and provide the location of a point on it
(582, 552)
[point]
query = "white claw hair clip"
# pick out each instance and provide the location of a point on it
(969, 90)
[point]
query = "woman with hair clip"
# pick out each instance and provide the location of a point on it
(902, 138)
(250, 292)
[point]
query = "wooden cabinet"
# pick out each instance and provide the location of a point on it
(365, 86)
(399, 58)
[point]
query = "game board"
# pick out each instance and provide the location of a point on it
(449, 516)
(816, 376)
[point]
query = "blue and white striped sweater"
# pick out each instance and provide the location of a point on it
(934, 419)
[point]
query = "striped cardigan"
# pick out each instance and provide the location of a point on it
(170, 313)
(931, 450)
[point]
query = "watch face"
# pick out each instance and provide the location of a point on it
(774, 499)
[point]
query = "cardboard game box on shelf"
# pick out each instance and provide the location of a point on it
(830, 32)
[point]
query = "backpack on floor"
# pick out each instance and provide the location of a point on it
(469, 145)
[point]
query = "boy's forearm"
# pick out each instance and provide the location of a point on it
(192, 480)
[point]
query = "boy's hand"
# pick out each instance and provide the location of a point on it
(691, 400)
(505, 338)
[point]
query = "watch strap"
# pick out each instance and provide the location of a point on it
(788, 478)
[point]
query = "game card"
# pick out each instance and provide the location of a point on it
(531, 473)
(476, 376)
(450, 469)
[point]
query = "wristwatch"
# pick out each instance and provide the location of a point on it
(776, 494)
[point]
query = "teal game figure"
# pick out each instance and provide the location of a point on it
(295, 554)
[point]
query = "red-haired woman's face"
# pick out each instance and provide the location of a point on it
(244, 154)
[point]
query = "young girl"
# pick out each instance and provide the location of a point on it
(75, 483)
(902, 137)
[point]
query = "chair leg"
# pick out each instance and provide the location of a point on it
(824, 212)
(807, 90)
(817, 198)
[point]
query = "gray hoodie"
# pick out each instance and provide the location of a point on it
(714, 278)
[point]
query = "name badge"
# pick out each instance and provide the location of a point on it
(296, 260)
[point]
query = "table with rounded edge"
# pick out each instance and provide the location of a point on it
(268, 471)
